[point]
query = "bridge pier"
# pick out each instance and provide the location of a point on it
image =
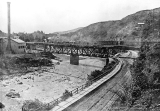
(74, 59)
(45, 47)
(107, 61)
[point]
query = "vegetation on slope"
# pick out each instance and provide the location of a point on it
(37, 36)
(125, 29)
(142, 91)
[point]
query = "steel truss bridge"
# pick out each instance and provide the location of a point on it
(103, 51)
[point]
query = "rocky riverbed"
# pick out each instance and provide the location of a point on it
(48, 83)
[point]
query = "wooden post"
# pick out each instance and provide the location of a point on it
(77, 50)
(45, 47)
(71, 93)
(82, 87)
(57, 101)
(82, 51)
(62, 50)
(77, 90)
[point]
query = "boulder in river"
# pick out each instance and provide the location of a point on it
(13, 94)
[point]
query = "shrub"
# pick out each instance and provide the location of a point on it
(128, 94)
(97, 74)
(94, 74)
(156, 77)
(30, 105)
(146, 100)
(108, 66)
(141, 81)
(66, 95)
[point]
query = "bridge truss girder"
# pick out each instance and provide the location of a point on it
(94, 51)
(80, 50)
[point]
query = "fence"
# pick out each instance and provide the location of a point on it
(55, 102)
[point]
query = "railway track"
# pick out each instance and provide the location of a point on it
(99, 99)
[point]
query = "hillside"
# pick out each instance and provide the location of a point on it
(125, 29)
(69, 31)
(2, 34)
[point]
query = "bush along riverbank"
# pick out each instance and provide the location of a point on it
(97, 74)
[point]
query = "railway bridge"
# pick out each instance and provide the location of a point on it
(76, 50)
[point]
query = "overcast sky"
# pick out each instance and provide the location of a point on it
(62, 15)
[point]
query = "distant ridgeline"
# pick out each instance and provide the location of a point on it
(129, 30)
(144, 25)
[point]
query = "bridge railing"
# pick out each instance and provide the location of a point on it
(75, 91)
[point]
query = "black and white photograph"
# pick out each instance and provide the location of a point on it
(79, 55)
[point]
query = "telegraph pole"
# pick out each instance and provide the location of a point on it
(9, 30)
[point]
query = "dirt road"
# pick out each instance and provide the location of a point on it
(99, 99)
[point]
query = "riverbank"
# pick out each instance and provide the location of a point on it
(47, 83)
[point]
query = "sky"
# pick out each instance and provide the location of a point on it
(61, 15)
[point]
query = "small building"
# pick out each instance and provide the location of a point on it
(18, 46)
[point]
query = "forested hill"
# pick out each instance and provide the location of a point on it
(125, 29)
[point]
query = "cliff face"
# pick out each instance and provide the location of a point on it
(124, 29)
